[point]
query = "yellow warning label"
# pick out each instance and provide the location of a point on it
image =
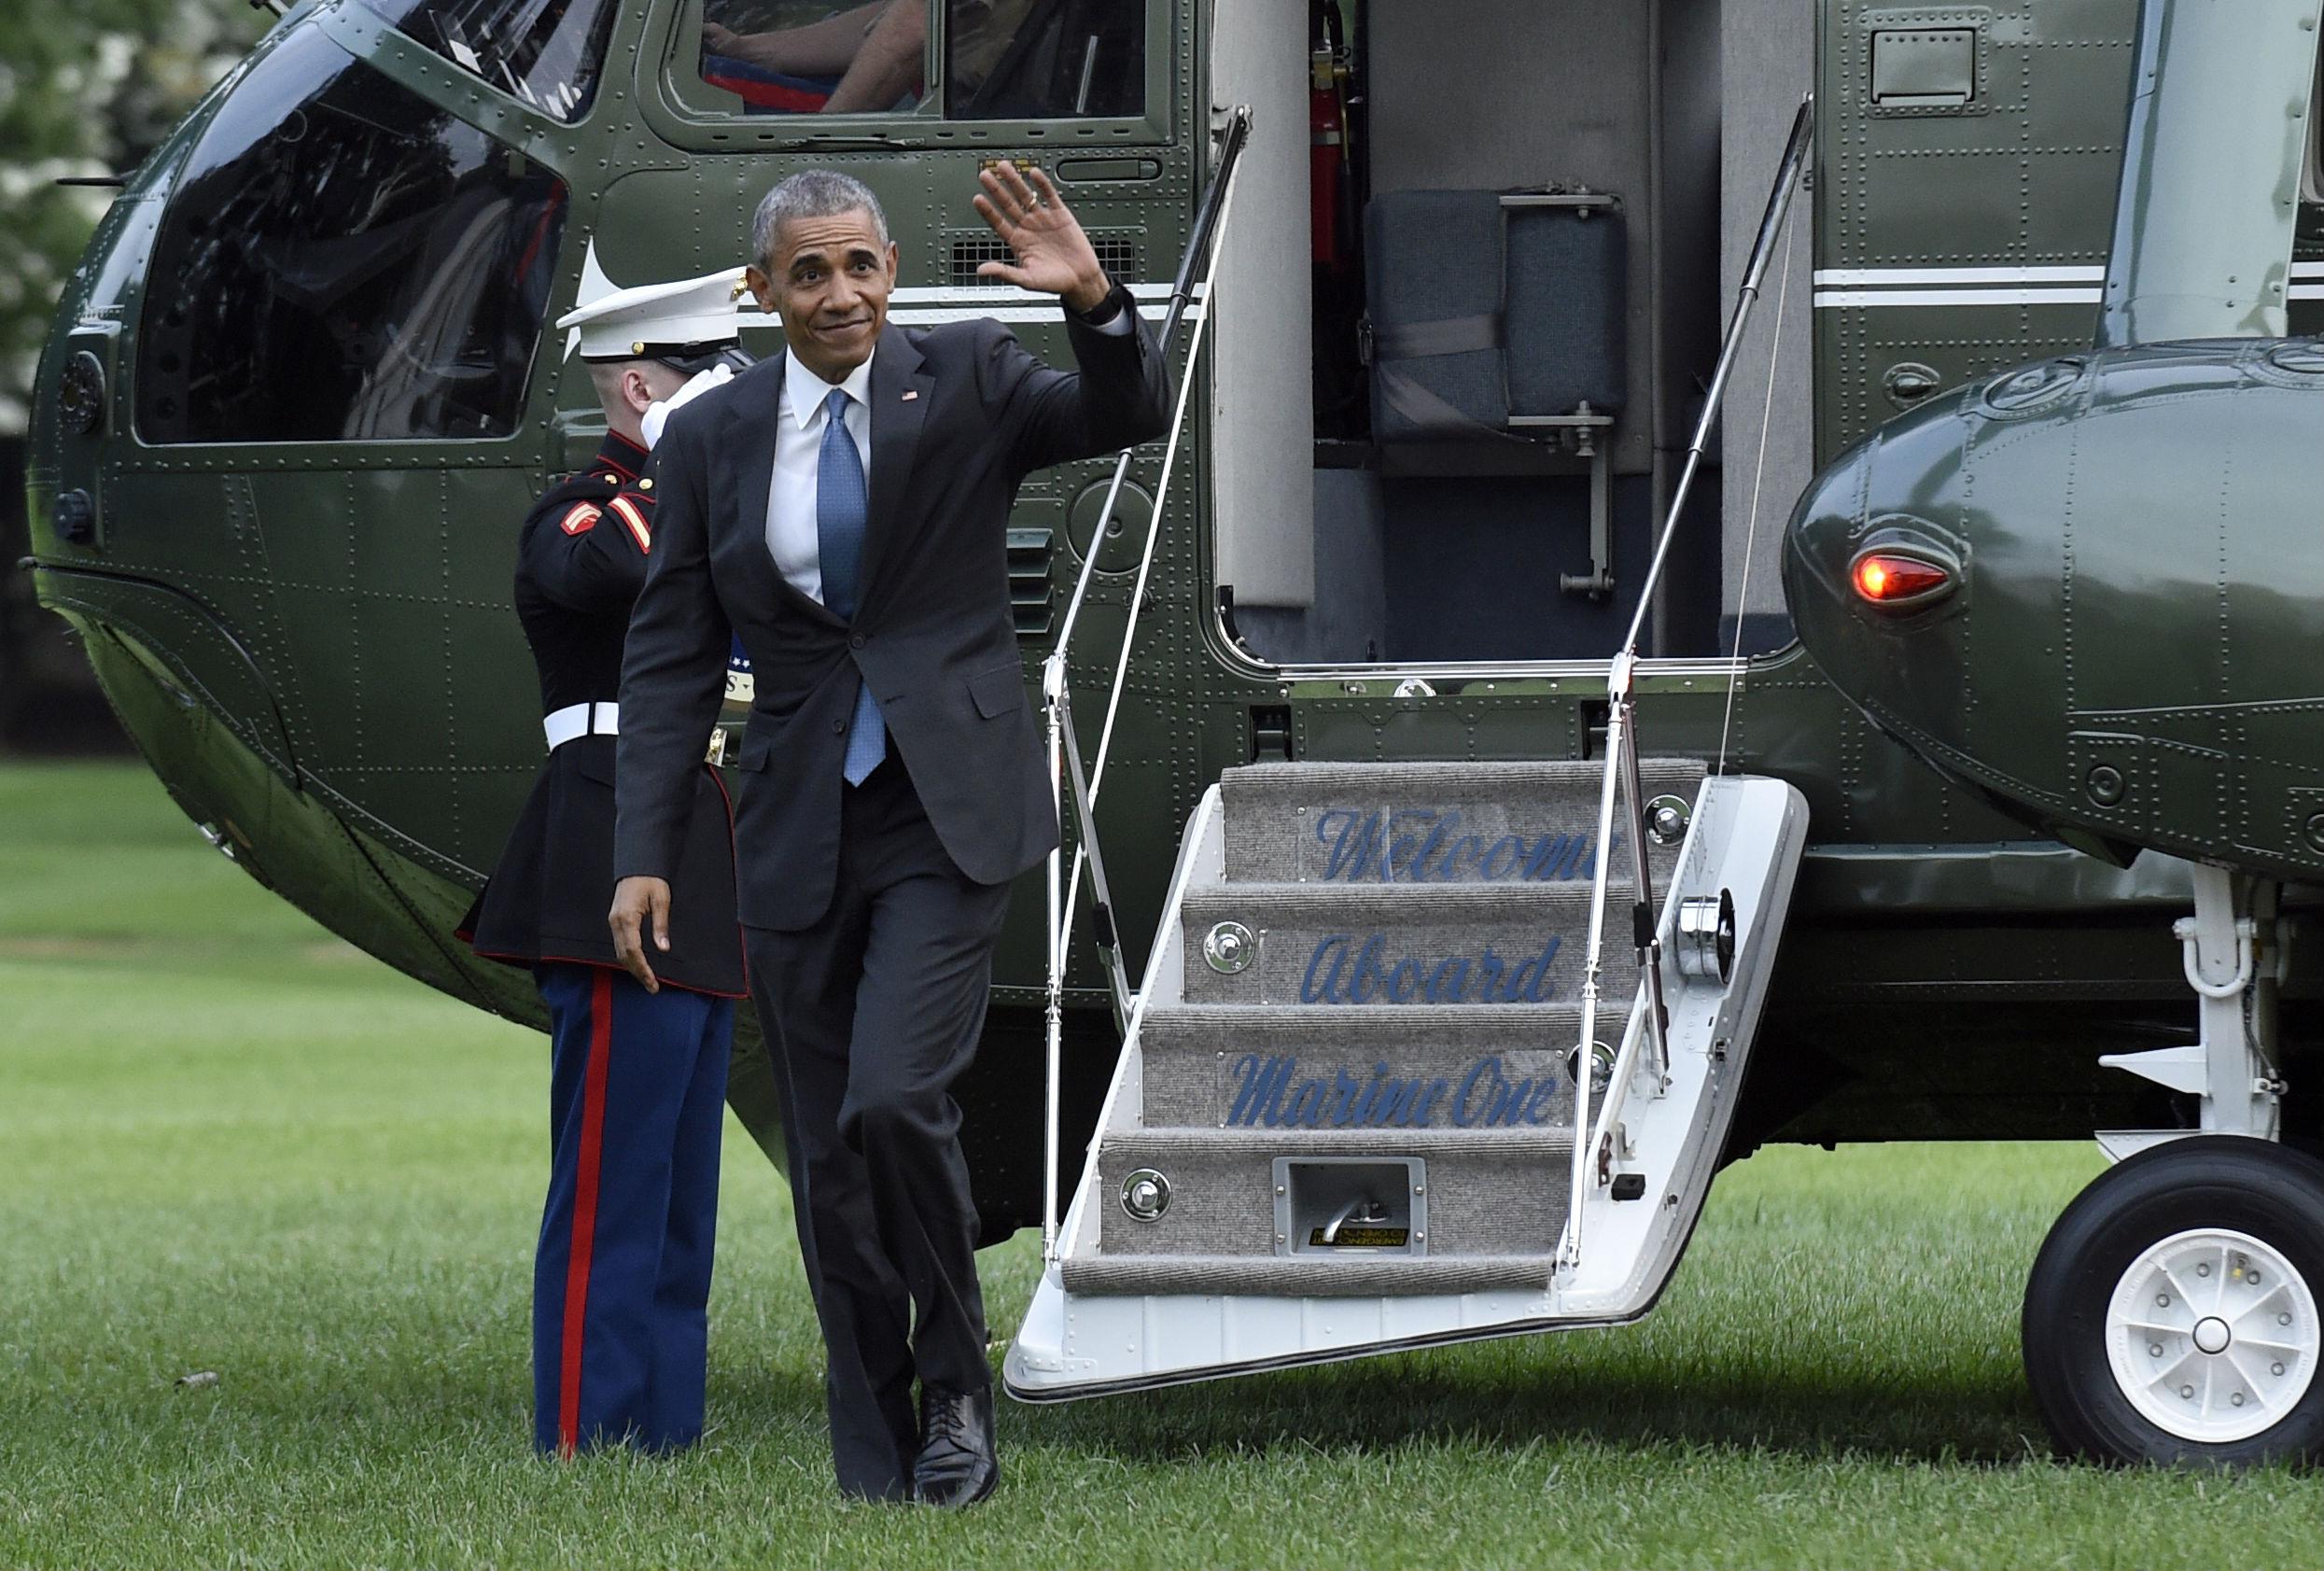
(1360, 1237)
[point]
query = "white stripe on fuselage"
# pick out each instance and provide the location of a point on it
(937, 316)
(1005, 294)
(1863, 276)
(1856, 298)
(1862, 288)
(931, 305)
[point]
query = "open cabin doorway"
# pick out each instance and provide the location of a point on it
(1471, 292)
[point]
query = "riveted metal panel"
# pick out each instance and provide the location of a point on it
(1963, 242)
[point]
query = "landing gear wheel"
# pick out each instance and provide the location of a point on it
(2172, 1314)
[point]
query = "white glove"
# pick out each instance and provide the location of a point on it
(658, 414)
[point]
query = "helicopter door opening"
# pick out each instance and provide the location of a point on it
(1471, 292)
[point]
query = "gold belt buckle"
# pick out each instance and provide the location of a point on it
(716, 752)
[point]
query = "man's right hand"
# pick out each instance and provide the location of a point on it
(640, 905)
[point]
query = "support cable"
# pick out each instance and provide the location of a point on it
(1064, 748)
(1622, 767)
(1758, 475)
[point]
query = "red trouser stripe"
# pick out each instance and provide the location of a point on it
(584, 1209)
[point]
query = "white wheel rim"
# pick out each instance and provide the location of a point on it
(2213, 1336)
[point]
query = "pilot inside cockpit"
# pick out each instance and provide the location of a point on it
(871, 58)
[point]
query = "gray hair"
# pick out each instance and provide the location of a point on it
(812, 193)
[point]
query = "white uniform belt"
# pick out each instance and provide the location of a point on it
(576, 721)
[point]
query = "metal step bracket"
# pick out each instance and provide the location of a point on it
(1743, 845)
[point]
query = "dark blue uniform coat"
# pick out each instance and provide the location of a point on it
(581, 562)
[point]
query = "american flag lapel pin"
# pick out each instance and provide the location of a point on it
(911, 393)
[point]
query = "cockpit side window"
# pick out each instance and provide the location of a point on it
(1019, 60)
(341, 260)
(1037, 59)
(546, 53)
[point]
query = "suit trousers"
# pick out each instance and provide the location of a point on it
(870, 1016)
(621, 1276)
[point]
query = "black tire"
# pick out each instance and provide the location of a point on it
(2270, 1193)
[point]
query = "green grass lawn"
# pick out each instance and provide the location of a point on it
(229, 1143)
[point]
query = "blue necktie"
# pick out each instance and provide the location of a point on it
(842, 509)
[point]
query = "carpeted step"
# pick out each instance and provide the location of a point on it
(1431, 824)
(1335, 1066)
(1399, 945)
(1487, 1191)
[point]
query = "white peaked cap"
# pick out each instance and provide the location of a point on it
(651, 319)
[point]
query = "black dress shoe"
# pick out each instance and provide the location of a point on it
(957, 1466)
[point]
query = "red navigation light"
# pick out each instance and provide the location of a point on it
(1889, 578)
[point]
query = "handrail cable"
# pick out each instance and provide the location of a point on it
(1621, 743)
(1758, 477)
(1065, 758)
(1146, 568)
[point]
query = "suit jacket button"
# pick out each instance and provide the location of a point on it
(856, 642)
(839, 727)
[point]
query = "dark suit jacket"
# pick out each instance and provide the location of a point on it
(959, 414)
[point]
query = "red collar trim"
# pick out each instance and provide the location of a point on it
(622, 456)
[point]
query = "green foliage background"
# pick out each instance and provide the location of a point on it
(87, 87)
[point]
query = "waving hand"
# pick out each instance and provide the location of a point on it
(1053, 254)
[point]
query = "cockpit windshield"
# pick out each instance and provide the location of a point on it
(341, 260)
(544, 52)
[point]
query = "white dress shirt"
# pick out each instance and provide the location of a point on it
(792, 538)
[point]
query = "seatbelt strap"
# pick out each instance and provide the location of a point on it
(1449, 335)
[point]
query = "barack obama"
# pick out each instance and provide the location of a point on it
(842, 508)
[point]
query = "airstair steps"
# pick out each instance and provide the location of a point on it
(1428, 823)
(1387, 945)
(1351, 1071)
(1375, 998)
(1334, 1066)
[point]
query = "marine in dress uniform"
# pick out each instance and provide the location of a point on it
(638, 1079)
